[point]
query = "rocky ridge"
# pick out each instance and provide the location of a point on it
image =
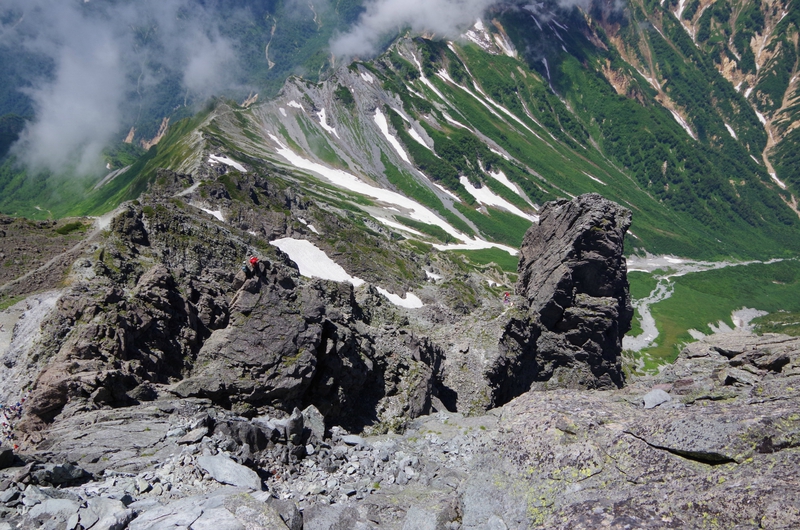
(710, 441)
(168, 387)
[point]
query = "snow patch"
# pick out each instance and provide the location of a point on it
(479, 36)
(442, 74)
(682, 123)
(425, 80)
(501, 177)
(730, 130)
(495, 151)
(448, 192)
(313, 262)
(415, 135)
(778, 181)
(380, 119)
(350, 182)
(594, 178)
(432, 275)
(399, 226)
(505, 45)
(215, 213)
(283, 111)
(487, 197)
(454, 122)
(213, 159)
(747, 92)
(411, 301)
(413, 209)
(324, 123)
(188, 190)
(295, 104)
(761, 118)
(367, 77)
(310, 226)
(476, 244)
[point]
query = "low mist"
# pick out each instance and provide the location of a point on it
(446, 18)
(105, 55)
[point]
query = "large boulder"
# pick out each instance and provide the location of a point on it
(573, 281)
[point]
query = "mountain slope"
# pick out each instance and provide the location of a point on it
(479, 133)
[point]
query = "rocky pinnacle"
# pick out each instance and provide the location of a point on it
(572, 277)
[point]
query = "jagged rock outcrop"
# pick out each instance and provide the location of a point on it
(576, 304)
(163, 302)
(720, 452)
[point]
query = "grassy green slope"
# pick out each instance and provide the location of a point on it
(721, 202)
(710, 297)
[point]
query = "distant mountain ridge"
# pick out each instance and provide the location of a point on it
(536, 103)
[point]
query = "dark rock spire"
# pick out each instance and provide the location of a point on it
(572, 275)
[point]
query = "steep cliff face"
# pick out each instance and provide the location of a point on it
(573, 280)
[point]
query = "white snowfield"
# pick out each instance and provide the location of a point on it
(367, 77)
(295, 104)
(188, 190)
(449, 119)
(314, 263)
(310, 226)
(778, 181)
(487, 197)
(412, 208)
(415, 135)
(682, 123)
(448, 192)
(380, 119)
(399, 226)
(215, 213)
(323, 121)
(495, 151)
(213, 159)
(501, 177)
(411, 301)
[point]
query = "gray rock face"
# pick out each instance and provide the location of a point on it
(655, 398)
(572, 276)
(226, 471)
(722, 449)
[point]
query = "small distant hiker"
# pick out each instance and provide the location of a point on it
(506, 298)
(254, 264)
